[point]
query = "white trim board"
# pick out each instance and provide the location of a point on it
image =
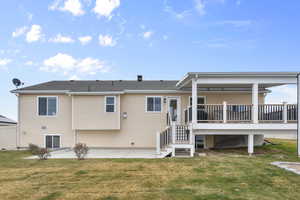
(232, 126)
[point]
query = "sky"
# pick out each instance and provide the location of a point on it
(160, 39)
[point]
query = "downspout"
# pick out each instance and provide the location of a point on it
(18, 139)
(298, 113)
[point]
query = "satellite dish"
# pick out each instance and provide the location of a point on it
(17, 82)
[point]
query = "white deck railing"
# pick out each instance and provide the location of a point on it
(242, 113)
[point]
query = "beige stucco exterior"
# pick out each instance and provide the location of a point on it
(33, 127)
(89, 113)
(8, 137)
(83, 119)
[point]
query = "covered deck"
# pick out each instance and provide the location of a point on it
(235, 119)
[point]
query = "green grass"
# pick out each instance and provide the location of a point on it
(227, 174)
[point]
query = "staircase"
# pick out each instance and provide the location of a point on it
(175, 140)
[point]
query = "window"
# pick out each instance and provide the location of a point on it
(52, 141)
(47, 106)
(110, 104)
(200, 100)
(153, 104)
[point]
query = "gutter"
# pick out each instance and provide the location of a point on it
(8, 122)
(67, 92)
(39, 91)
(94, 93)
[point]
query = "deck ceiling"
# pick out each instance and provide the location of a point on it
(238, 79)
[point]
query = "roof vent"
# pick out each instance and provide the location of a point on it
(139, 78)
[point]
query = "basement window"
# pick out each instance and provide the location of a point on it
(110, 104)
(52, 141)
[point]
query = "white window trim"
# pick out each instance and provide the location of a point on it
(146, 104)
(60, 144)
(204, 97)
(37, 106)
(115, 103)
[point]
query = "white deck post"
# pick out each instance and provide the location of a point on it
(191, 136)
(285, 112)
(250, 144)
(173, 127)
(157, 142)
(194, 101)
(224, 111)
(255, 103)
(298, 101)
(192, 142)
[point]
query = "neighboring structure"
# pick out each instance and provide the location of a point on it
(8, 133)
(203, 110)
(4, 121)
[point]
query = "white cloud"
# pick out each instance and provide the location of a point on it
(60, 61)
(85, 39)
(200, 7)
(106, 7)
(142, 26)
(4, 62)
(66, 64)
(165, 37)
(107, 41)
(61, 39)
(148, 34)
(236, 23)
(29, 63)
(34, 34)
(178, 15)
(29, 16)
(19, 31)
(72, 6)
(90, 66)
(74, 77)
(285, 93)
(10, 51)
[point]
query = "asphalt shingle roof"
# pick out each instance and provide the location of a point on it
(103, 86)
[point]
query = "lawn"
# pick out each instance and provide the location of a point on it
(229, 174)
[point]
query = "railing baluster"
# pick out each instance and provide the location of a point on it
(243, 113)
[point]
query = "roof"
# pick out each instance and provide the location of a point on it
(150, 86)
(5, 120)
(101, 86)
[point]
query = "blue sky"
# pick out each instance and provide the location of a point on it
(161, 39)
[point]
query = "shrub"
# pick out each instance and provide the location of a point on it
(33, 148)
(43, 153)
(80, 150)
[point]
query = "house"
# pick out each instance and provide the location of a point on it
(202, 110)
(4, 121)
(8, 133)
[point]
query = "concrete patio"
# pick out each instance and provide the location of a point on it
(290, 166)
(105, 153)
